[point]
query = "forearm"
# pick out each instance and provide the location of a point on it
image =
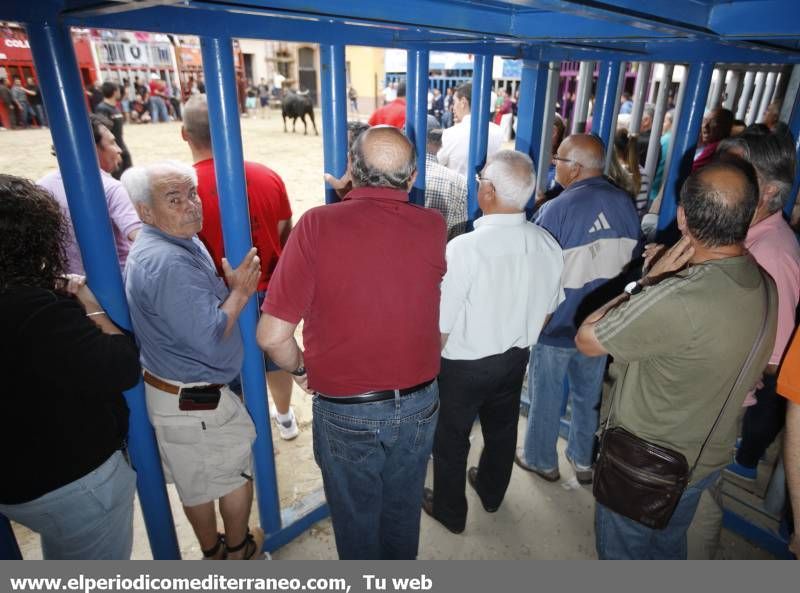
(286, 354)
(233, 307)
(597, 315)
(101, 319)
(585, 340)
(791, 458)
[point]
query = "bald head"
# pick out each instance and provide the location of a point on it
(588, 151)
(719, 201)
(383, 157)
(579, 157)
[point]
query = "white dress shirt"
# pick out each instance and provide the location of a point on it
(502, 281)
(455, 145)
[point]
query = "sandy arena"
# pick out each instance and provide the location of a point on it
(538, 520)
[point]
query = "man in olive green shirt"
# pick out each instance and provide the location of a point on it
(679, 338)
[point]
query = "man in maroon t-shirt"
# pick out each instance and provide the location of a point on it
(364, 276)
(270, 223)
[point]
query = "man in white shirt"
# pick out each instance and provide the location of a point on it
(503, 281)
(389, 93)
(455, 140)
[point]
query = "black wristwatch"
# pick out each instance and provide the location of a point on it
(299, 371)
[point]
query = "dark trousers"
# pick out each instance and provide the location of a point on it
(762, 423)
(490, 389)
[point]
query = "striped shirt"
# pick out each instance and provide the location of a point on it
(446, 191)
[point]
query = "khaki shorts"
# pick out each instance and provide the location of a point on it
(205, 453)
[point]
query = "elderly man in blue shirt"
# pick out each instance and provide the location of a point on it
(184, 317)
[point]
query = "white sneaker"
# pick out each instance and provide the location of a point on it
(288, 430)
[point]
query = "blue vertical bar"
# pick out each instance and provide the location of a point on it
(334, 114)
(479, 129)
(794, 126)
(9, 549)
(226, 142)
(685, 134)
(605, 100)
(417, 121)
(64, 101)
(530, 110)
(411, 82)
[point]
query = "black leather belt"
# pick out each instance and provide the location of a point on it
(374, 396)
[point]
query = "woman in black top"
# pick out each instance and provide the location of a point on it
(63, 365)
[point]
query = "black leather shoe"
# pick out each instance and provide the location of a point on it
(427, 506)
(472, 478)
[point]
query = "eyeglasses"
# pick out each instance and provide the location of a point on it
(561, 158)
(478, 178)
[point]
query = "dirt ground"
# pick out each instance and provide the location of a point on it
(295, 157)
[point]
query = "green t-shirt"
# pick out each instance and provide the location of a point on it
(678, 347)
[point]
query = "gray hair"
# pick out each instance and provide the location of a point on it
(649, 111)
(365, 174)
(773, 157)
(586, 157)
(512, 175)
(138, 180)
(195, 120)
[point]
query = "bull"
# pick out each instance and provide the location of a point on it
(296, 105)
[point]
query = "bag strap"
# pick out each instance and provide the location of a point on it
(745, 368)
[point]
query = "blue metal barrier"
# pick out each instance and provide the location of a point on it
(794, 126)
(606, 101)
(334, 114)
(479, 130)
(530, 110)
(685, 133)
(226, 141)
(417, 116)
(63, 95)
(709, 31)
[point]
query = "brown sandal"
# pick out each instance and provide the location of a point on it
(211, 554)
(252, 545)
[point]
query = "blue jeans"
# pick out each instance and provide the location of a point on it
(620, 538)
(373, 459)
(88, 519)
(158, 110)
(546, 371)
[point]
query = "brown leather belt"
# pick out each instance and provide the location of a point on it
(169, 387)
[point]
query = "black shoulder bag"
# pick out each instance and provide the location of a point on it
(644, 481)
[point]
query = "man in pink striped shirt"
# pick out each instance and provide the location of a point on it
(772, 243)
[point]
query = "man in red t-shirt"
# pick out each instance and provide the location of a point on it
(393, 114)
(270, 223)
(364, 275)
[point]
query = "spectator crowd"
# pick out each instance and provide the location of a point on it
(414, 325)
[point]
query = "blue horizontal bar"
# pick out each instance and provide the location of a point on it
(296, 528)
(755, 534)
